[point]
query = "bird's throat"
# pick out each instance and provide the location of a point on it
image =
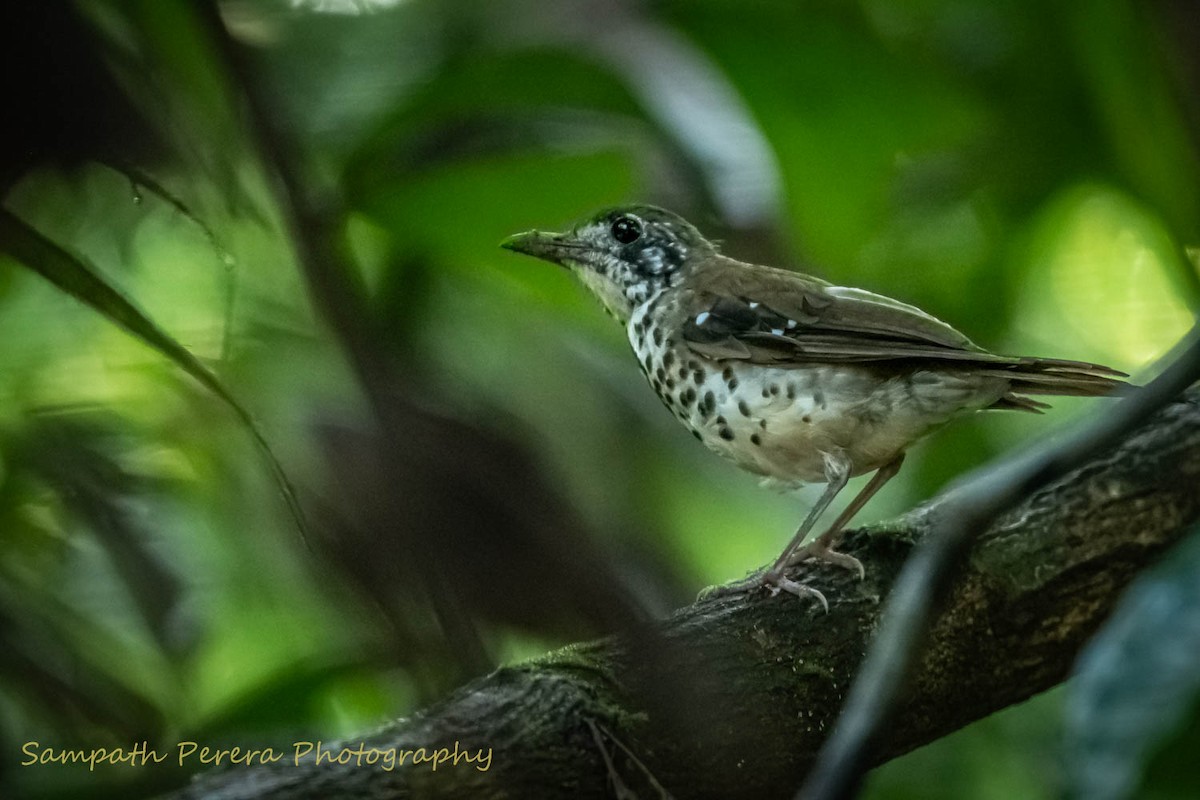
(612, 295)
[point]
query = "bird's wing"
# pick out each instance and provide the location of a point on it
(773, 316)
(770, 316)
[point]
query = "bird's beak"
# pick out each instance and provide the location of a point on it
(553, 247)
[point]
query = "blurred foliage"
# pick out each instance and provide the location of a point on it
(483, 474)
(1116, 718)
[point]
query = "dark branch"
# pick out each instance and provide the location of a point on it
(734, 697)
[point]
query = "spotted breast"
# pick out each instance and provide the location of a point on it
(778, 422)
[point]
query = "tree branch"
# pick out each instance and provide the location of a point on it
(734, 697)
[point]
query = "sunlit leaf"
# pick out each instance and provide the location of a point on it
(72, 276)
(1105, 266)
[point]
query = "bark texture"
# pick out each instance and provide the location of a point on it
(732, 697)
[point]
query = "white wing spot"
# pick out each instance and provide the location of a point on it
(702, 317)
(791, 323)
(777, 331)
(753, 304)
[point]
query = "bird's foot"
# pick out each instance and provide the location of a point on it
(771, 580)
(776, 582)
(820, 551)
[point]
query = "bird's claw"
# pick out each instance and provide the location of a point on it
(773, 582)
(822, 552)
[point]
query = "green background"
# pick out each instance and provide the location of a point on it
(1026, 171)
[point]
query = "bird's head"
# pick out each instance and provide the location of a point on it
(624, 255)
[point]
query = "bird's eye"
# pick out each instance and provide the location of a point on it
(626, 230)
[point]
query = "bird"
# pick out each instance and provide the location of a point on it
(792, 378)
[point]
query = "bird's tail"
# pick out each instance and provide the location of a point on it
(1054, 377)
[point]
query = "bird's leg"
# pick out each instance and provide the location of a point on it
(837, 472)
(821, 548)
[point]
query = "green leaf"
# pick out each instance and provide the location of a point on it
(72, 276)
(1136, 680)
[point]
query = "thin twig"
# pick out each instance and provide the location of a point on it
(620, 789)
(926, 579)
(663, 794)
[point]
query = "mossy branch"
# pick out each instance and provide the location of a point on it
(733, 697)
